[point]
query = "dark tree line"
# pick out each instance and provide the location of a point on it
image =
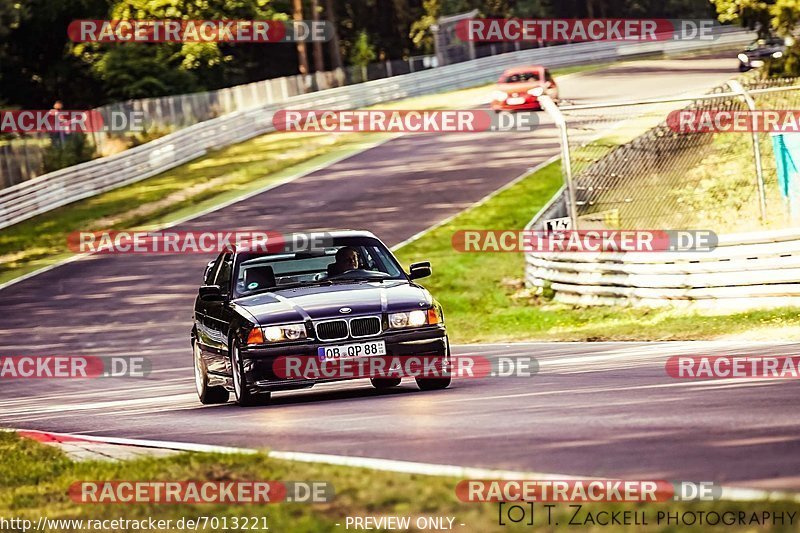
(38, 63)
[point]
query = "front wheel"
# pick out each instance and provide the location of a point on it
(438, 383)
(243, 395)
(208, 395)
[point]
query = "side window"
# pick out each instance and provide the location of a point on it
(369, 262)
(223, 278)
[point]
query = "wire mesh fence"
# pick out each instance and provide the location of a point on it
(632, 168)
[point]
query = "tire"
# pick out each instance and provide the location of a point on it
(385, 383)
(436, 383)
(433, 383)
(208, 395)
(243, 396)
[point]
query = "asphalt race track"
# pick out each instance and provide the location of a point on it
(594, 409)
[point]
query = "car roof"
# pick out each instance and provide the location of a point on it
(520, 70)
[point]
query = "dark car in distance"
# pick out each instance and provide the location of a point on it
(756, 53)
(350, 298)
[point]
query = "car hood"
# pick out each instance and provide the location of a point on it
(319, 302)
(518, 87)
(763, 52)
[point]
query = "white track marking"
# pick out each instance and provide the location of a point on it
(405, 467)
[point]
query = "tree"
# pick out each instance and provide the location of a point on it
(785, 16)
(302, 53)
(336, 53)
(177, 67)
(421, 28)
(11, 13)
(363, 53)
(136, 71)
(35, 67)
(753, 14)
(316, 46)
(774, 17)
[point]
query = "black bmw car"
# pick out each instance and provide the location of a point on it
(347, 299)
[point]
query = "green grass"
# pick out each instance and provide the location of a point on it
(34, 480)
(709, 180)
(485, 301)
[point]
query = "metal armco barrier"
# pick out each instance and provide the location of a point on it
(746, 271)
(47, 192)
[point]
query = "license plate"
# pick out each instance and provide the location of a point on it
(348, 351)
(515, 101)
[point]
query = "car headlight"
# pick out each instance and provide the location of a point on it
(287, 332)
(536, 91)
(415, 319)
(499, 96)
(743, 58)
(777, 55)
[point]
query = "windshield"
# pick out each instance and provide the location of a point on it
(763, 43)
(521, 77)
(349, 259)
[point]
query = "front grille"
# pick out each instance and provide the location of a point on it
(364, 327)
(332, 331)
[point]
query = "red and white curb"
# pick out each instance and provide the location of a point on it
(81, 448)
(154, 447)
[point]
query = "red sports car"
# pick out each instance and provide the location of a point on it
(519, 89)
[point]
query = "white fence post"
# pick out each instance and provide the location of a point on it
(566, 162)
(751, 105)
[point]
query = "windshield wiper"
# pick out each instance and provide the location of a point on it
(287, 286)
(302, 284)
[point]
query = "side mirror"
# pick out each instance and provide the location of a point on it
(211, 293)
(420, 270)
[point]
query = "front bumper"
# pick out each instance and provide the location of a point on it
(531, 104)
(263, 364)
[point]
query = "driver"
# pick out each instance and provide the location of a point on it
(346, 259)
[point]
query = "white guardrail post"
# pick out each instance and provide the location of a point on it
(737, 87)
(566, 161)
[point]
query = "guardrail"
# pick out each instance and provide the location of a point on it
(746, 270)
(44, 193)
